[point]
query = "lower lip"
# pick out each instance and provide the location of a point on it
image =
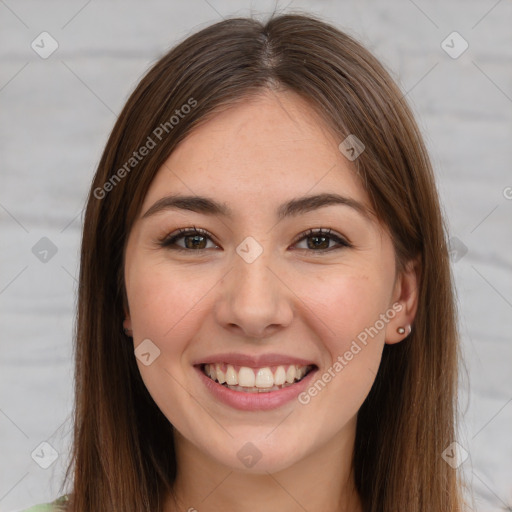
(255, 401)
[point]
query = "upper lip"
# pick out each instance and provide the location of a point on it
(254, 361)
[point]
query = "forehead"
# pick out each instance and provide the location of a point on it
(265, 149)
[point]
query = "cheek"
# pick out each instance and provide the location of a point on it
(347, 313)
(165, 307)
(163, 304)
(347, 305)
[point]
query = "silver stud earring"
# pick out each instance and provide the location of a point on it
(401, 330)
(128, 332)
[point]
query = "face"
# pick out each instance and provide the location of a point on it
(261, 287)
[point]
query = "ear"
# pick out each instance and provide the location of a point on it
(127, 322)
(405, 302)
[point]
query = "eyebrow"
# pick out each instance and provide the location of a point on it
(292, 208)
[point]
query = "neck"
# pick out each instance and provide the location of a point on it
(321, 481)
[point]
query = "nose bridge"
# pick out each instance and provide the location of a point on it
(253, 279)
(252, 272)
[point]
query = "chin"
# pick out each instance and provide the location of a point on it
(260, 456)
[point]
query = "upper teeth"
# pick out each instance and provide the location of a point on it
(255, 377)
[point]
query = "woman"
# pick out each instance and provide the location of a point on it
(266, 316)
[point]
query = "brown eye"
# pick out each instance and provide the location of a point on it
(321, 239)
(194, 240)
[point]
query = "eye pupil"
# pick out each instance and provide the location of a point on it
(323, 238)
(195, 242)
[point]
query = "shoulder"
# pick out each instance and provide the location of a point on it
(55, 506)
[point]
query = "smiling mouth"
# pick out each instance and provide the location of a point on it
(256, 380)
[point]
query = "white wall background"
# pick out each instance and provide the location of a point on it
(56, 114)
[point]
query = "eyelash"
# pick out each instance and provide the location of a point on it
(169, 241)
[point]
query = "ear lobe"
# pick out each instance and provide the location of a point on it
(127, 322)
(127, 326)
(406, 294)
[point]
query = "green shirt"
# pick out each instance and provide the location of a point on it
(54, 506)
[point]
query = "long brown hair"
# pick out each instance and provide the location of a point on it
(123, 455)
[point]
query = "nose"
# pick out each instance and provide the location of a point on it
(255, 300)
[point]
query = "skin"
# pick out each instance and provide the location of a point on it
(293, 299)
